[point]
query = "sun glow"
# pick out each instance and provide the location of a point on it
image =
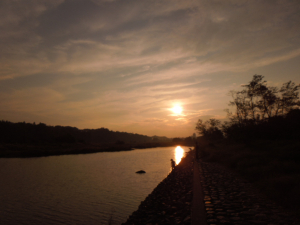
(177, 109)
(178, 154)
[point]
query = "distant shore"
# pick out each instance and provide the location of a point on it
(42, 150)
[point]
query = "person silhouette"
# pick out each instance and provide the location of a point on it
(173, 164)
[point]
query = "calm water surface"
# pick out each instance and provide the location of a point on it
(80, 189)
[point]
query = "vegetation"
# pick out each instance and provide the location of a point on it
(260, 140)
(210, 129)
(41, 133)
(188, 141)
(34, 140)
(261, 112)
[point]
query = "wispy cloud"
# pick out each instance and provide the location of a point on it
(121, 64)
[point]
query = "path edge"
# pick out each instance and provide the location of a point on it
(198, 207)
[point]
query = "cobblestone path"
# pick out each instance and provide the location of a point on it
(232, 200)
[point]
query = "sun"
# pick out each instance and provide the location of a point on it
(177, 109)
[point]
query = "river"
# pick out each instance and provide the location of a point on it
(81, 189)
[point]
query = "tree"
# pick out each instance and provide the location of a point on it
(258, 101)
(256, 88)
(210, 129)
(290, 96)
(260, 110)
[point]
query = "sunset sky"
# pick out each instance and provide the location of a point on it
(123, 64)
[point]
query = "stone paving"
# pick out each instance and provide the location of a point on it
(231, 200)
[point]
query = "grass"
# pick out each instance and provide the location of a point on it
(273, 166)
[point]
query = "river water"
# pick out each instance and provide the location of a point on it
(81, 189)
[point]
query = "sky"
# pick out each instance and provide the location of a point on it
(124, 64)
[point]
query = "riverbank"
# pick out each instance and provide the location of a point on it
(170, 201)
(228, 198)
(40, 150)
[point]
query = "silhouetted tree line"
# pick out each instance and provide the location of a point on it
(41, 133)
(187, 141)
(261, 112)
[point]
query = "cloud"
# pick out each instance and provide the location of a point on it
(131, 60)
(154, 120)
(226, 34)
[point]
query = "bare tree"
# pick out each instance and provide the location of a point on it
(258, 101)
(290, 96)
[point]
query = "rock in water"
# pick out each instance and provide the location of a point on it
(140, 171)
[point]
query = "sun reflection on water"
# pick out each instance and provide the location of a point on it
(178, 154)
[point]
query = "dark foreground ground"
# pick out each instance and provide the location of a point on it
(230, 199)
(273, 166)
(227, 197)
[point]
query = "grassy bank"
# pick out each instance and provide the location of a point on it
(273, 166)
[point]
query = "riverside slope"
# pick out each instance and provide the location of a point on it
(170, 201)
(228, 199)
